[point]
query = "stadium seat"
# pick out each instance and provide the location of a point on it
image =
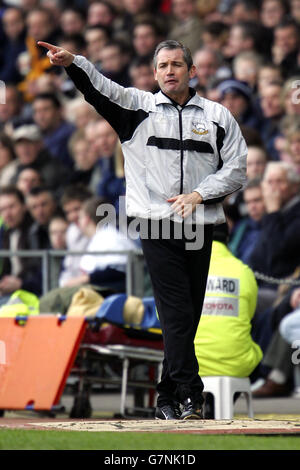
(223, 389)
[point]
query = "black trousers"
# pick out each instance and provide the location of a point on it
(179, 277)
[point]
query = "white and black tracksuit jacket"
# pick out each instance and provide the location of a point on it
(168, 149)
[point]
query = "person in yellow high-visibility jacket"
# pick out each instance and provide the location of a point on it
(223, 342)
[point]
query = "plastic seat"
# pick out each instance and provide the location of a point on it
(223, 389)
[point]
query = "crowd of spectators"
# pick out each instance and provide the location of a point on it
(58, 156)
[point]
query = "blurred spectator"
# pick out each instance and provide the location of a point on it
(272, 110)
(30, 151)
(272, 12)
(101, 12)
(247, 36)
(187, 27)
(14, 28)
(114, 63)
(42, 205)
(295, 9)
(71, 202)
(112, 184)
(215, 35)
(101, 269)
(16, 273)
(267, 74)
(293, 144)
(85, 169)
(80, 112)
(207, 62)
(8, 160)
(11, 112)
(246, 233)
(257, 159)
(58, 226)
(28, 178)
(245, 10)
(146, 36)
(40, 27)
(286, 46)
(142, 76)
(245, 68)
(291, 96)
(72, 21)
(237, 97)
(102, 141)
(277, 253)
(57, 230)
(96, 38)
(56, 131)
(74, 43)
(132, 10)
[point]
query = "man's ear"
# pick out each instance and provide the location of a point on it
(155, 74)
(192, 71)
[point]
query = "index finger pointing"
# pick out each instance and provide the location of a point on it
(49, 46)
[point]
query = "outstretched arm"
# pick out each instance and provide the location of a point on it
(57, 55)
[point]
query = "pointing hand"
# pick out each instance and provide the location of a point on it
(57, 55)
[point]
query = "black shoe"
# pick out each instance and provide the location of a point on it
(191, 410)
(168, 412)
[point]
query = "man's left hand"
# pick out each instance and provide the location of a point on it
(185, 204)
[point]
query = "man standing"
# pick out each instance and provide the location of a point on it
(183, 154)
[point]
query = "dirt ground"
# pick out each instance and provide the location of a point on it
(235, 426)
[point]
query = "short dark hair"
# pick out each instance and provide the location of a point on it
(12, 190)
(49, 97)
(91, 205)
(287, 22)
(37, 190)
(76, 192)
(170, 44)
(253, 183)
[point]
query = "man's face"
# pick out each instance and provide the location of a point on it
(13, 23)
(103, 140)
(12, 106)
(12, 210)
(255, 203)
(142, 78)
(99, 13)
(71, 22)
(41, 207)
(236, 41)
(28, 179)
(39, 25)
(235, 102)
(277, 180)
(256, 162)
(286, 39)
(183, 9)
(96, 40)
(144, 39)
(72, 209)
(172, 72)
(45, 114)
(271, 101)
(206, 66)
(27, 151)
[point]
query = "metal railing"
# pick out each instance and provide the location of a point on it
(134, 265)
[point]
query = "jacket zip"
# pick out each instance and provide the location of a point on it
(181, 150)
